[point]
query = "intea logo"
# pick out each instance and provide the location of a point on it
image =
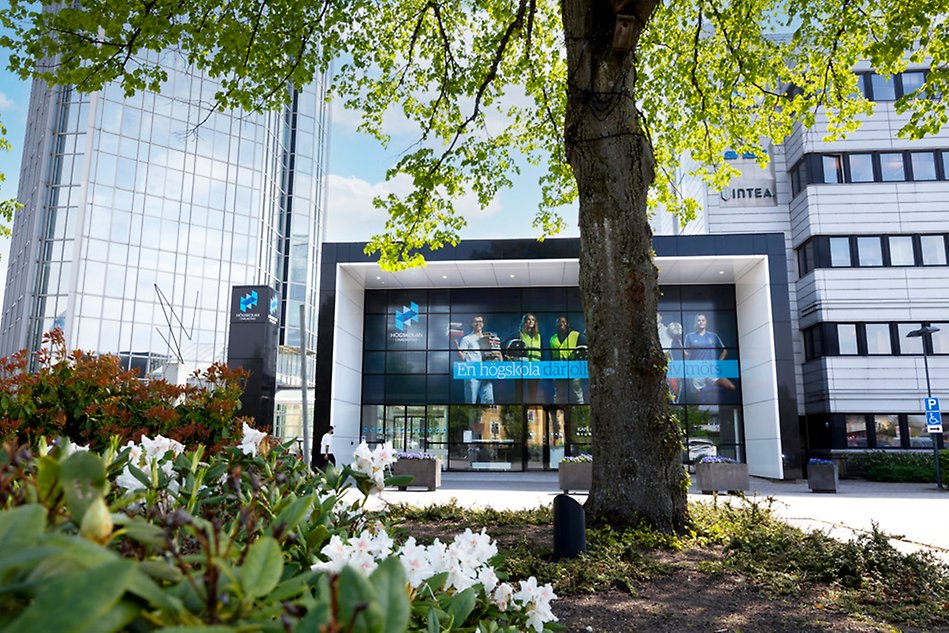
(249, 301)
(406, 316)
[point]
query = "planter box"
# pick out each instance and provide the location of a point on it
(714, 476)
(427, 473)
(822, 477)
(575, 475)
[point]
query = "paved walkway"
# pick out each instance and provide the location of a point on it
(916, 515)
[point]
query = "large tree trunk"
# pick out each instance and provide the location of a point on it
(637, 474)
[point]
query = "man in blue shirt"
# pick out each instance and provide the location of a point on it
(704, 345)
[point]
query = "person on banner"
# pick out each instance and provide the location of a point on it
(326, 453)
(670, 339)
(527, 346)
(566, 344)
(476, 347)
(705, 345)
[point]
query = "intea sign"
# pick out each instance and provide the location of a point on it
(753, 187)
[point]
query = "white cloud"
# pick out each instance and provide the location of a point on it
(6, 103)
(352, 218)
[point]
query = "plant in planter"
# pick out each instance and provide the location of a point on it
(575, 472)
(721, 473)
(424, 469)
(822, 475)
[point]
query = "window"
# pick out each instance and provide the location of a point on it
(798, 178)
(878, 338)
(833, 168)
(840, 252)
(869, 251)
(856, 426)
(912, 81)
(909, 346)
(887, 431)
(923, 165)
(901, 250)
(941, 338)
(919, 436)
(883, 88)
(933, 249)
(806, 257)
(847, 339)
(891, 167)
(813, 343)
(861, 167)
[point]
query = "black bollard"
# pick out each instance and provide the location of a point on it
(570, 523)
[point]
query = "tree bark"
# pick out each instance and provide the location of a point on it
(637, 472)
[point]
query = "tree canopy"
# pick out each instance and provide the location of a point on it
(485, 80)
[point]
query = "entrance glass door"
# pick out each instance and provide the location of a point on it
(544, 444)
(556, 432)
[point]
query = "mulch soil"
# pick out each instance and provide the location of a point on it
(684, 598)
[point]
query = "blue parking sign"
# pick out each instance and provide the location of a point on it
(934, 421)
(931, 404)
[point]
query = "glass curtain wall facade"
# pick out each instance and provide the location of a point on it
(496, 379)
(140, 214)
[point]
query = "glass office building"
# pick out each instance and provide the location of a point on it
(140, 214)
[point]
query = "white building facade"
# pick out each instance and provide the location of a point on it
(866, 222)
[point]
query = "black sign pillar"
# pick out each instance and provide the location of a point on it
(252, 346)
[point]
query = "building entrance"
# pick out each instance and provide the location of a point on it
(546, 428)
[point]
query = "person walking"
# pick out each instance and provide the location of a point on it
(326, 455)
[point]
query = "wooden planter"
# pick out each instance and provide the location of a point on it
(714, 476)
(427, 473)
(575, 475)
(822, 477)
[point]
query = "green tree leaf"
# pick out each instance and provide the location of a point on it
(83, 478)
(462, 605)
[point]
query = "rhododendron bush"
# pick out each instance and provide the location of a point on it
(149, 533)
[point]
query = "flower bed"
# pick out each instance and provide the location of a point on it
(721, 473)
(243, 539)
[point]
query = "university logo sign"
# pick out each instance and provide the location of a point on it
(249, 301)
(274, 303)
(407, 316)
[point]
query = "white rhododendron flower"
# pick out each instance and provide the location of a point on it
(466, 563)
(374, 463)
(250, 442)
(158, 447)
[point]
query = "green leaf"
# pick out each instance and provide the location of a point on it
(21, 526)
(47, 476)
(400, 480)
(142, 531)
(359, 611)
(299, 509)
(83, 478)
(432, 621)
(262, 568)
(462, 605)
(83, 602)
(389, 581)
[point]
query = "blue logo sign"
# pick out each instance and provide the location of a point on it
(406, 316)
(520, 370)
(931, 404)
(274, 304)
(249, 301)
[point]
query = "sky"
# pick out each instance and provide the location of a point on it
(355, 175)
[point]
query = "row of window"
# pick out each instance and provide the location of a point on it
(871, 431)
(876, 87)
(871, 251)
(856, 167)
(873, 339)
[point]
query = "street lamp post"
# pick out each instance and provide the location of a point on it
(926, 333)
